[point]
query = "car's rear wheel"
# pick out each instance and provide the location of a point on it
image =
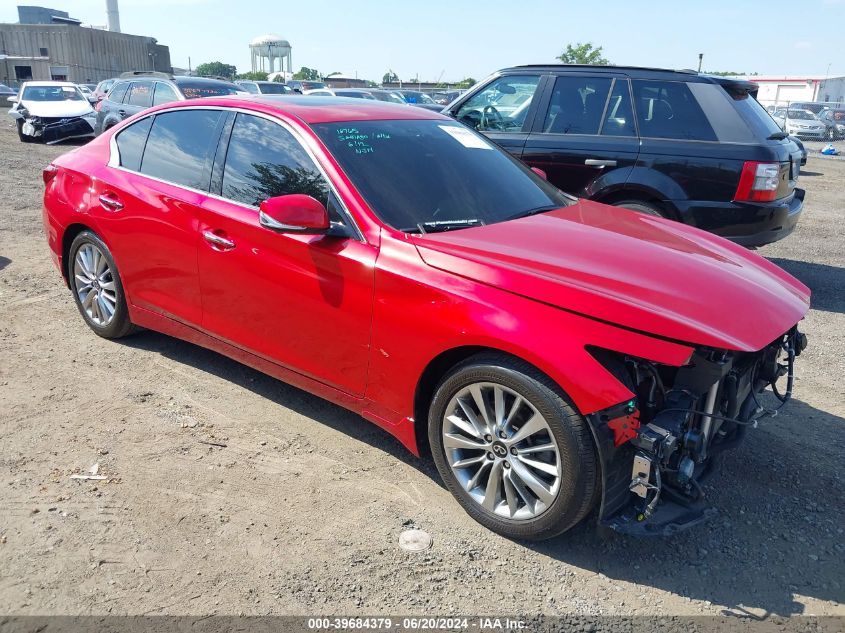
(97, 288)
(25, 138)
(641, 207)
(511, 449)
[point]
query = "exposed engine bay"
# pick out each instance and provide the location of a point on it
(658, 447)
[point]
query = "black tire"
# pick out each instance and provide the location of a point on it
(23, 137)
(119, 325)
(648, 208)
(580, 484)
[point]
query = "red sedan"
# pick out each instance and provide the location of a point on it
(550, 354)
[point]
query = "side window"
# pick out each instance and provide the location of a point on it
(577, 104)
(140, 94)
(118, 92)
(130, 143)
(501, 106)
(668, 109)
(179, 147)
(619, 119)
(264, 160)
(164, 93)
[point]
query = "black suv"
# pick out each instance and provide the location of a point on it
(686, 146)
(137, 91)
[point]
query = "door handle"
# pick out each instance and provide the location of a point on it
(223, 243)
(597, 162)
(109, 203)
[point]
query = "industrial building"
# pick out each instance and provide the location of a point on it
(783, 90)
(48, 44)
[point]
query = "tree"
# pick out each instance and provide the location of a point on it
(216, 69)
(466, 83)
(258, 75)
(389, 77)
(583, 54)
(308, 74)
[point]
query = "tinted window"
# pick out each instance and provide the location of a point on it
(502, 105)
(179, 146)
(668, 109)
(249, 87)
(118, 92)
(273, 89)
(140, 94)
(130, 143)
(619, 118)
(164, 93)
(52, 93)
(577, 104)
(264, 160)
(435, 173)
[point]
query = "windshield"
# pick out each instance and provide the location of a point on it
(422, 176)
(200, 89)
(274, 89)
(804, 115)
(52, 93)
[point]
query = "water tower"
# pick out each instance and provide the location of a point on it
(266, 50)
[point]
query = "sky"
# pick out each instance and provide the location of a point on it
(449, 40)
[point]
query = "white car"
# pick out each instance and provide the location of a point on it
(52, 111)
(800, 123)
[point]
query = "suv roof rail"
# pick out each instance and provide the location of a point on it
(145, 73)
(609, 67)
(218, 78)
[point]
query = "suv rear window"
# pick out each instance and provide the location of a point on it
(141, 94)
(668, 109)
(200, 89)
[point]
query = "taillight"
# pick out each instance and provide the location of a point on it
(49, 173)
(98, 105)
(758, 182)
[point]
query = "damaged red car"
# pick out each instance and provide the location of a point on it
(552, 355)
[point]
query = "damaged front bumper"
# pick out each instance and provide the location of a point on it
(656, 449)
(56, 129)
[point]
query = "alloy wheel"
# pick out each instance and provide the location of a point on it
(502, 451)
(94, 284)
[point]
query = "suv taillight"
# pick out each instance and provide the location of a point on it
(758, 182)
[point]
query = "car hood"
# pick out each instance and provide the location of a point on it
(637, 271)
(58, 108)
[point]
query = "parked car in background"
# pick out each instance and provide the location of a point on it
(834, 119)
(301, 85)
(88, 92)
(553, 355)
(800, 123)
(420, 99)
(134, 92)
(801, 148)
(103, 88)
(351, 93)
(51, 111)
(445, 97)
(6, 92)
(391, 96)
(265, 87)
(693, 148)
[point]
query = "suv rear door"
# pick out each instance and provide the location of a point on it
(504, 109)
(584, 136)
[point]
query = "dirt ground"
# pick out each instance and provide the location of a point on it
(300, 512)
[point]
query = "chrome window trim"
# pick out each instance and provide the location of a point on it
(114, 162)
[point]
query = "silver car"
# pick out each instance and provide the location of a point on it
(800, 123)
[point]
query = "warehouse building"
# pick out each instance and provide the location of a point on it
(48, 44)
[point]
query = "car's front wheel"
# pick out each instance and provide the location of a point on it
(97, 288)
(511, 449)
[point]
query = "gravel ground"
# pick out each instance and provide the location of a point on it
(300, 512)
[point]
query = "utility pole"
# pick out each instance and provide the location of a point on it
(700, 58)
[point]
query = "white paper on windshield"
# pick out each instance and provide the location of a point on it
(465, 137)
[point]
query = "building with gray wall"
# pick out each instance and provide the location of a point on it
(65, 51)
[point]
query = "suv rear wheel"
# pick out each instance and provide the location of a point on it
(511, 449)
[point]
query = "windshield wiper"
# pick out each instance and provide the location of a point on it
(437, 226)
(538, 210)
(777, 136)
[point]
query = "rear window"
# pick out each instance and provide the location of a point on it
(201, 89)
(179, 146)
(130, 143)
(274, 89)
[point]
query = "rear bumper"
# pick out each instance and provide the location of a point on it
(746, 223)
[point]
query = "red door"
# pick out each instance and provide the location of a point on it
(304, 301)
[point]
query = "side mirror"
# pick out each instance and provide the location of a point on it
(12, 99)
(294, 213)
(540, 173)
